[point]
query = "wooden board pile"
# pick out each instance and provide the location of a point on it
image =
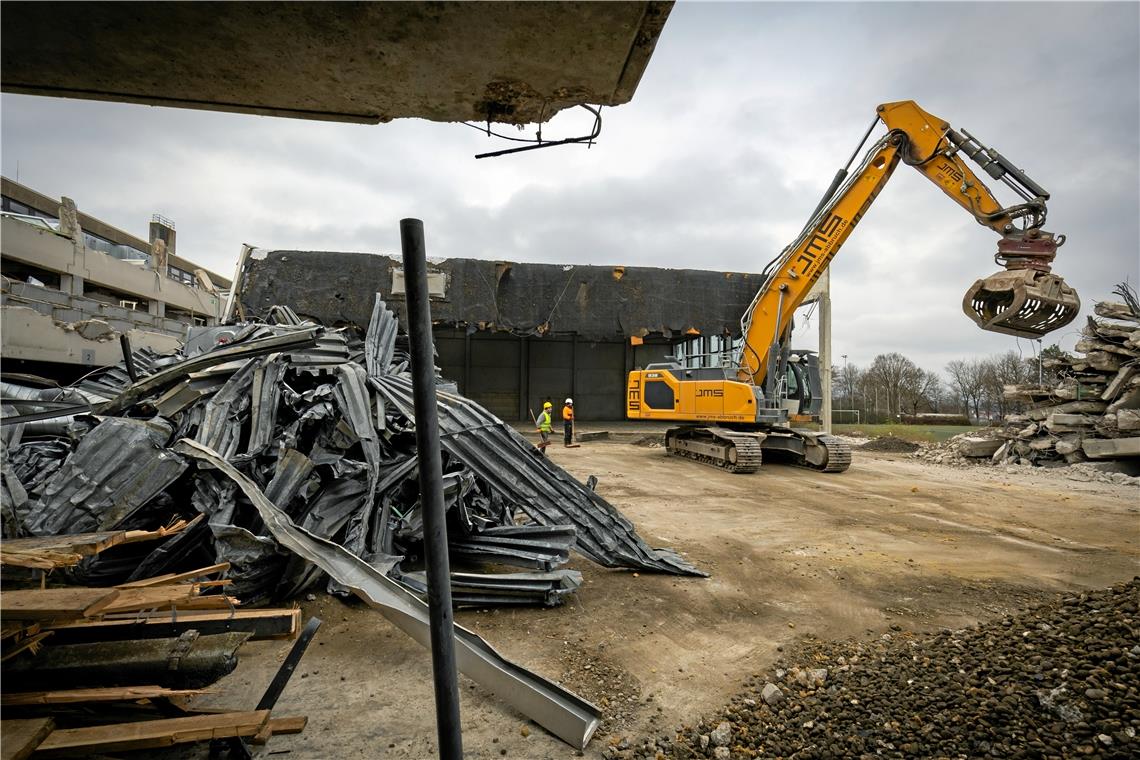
(90, 670)
(1093, 412)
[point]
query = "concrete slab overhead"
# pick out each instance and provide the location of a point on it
(509, 62)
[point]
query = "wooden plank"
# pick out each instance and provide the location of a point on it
(40, 560)
(69, 602)
(162, 580)
(48, 552)
(263, 624)
(17, 628)
(21, 737)
(105, 694)
(150, 734)
(294, 724)
(31, 643)
(133, 536)
(133, 599)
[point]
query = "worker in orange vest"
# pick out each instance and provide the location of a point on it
(568, 421)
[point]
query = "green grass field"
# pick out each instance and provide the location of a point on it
(928, 433)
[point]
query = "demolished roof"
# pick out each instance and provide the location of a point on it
(595, 302)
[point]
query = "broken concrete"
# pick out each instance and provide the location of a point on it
(369, 62)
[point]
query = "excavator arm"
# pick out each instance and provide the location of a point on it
(1024, 299)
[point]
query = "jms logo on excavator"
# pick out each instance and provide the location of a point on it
(821, 242)
(633, 399)
(710, 393)
(947, 169)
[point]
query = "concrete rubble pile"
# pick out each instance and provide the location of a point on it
(1093, 412)
(320, 424)
(963, 450)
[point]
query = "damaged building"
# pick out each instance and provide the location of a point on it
(510, 334)
(72, 284)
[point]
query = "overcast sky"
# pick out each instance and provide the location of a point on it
(742, 118)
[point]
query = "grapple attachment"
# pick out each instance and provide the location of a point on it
(1027, 303)
(1026, 300)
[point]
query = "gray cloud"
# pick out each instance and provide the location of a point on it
(743, 116)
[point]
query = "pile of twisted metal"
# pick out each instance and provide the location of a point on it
(297, 443)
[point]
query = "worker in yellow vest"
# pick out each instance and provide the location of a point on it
(544, 426)
(568, 422)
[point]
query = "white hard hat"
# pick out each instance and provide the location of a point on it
(569, 401)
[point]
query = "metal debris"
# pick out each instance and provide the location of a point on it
(322, 423)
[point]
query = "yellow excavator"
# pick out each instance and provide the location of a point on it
(739, 414)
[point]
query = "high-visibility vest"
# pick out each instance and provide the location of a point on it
(567, 412)
(544, 421)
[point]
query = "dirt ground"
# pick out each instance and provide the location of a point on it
(892, 541)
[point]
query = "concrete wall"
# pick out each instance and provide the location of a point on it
(29, 335)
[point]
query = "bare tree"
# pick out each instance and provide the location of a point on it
(890, 372)
(967, 379)
(920, 389)
(999, 371)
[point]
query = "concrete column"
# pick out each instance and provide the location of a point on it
(825, 348)
(71, 284)
(157, 308)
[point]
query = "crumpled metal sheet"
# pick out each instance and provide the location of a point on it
(548, 495)
(381, 339)
(563, 713)
(481, 590)
(164, 378)
(118, 467)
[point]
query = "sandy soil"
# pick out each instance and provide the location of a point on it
(893, 541)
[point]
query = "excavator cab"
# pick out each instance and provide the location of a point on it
(1026, 299)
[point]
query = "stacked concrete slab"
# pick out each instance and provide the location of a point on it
(1093, 412)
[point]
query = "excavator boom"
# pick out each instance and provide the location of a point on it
(1024, 300)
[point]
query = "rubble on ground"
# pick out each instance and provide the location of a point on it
(1056, 681)
(962, 450)
(889, 444)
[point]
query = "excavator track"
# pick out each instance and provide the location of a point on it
(729, 450)
(838, 455)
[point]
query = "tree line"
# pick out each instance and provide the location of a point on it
(893, 385)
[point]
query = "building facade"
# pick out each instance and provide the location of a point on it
(72, 283)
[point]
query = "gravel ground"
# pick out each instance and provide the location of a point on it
(1058, 681)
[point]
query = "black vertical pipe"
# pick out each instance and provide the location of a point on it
(128, 357)
(431, 492)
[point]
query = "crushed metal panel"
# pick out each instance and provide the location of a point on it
(509, 62)
(595, 302)
(117, 467)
